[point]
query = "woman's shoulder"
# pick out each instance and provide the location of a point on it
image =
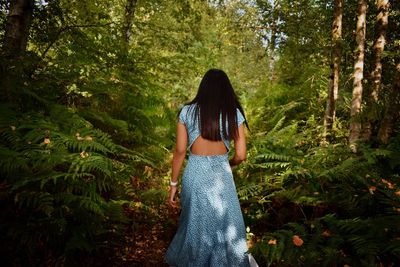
(239, 116)
(185, 112)
(188, 108)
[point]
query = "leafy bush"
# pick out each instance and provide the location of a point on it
(321, 206)
(58, 178)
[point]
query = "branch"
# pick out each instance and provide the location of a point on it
(68, 27)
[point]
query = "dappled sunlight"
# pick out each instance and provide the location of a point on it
(211, 217)
(91, 101)
(237, 243)
(215, 197)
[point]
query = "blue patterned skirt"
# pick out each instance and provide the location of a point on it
(211, 230)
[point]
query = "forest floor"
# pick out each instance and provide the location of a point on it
(146, 242)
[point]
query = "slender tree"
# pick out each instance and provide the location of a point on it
(17, 27)
(355, 124)
(376, 76)
(274, 33)
(379, 45)
(392, 109)
(130, 8)
(270, 12)
(333, 86)
(15, 39)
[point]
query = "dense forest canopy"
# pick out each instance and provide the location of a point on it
(90, 90)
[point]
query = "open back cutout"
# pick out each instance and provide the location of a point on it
(204, 147)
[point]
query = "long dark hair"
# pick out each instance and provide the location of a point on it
(216, 98)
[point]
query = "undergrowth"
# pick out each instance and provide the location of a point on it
(64, 189)
(312, 205)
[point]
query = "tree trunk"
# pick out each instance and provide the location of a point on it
(333, 86)
(392, 109)
(355, 124)
(272, 43)
(17, 27)
(379, 45)
(376, 75)
(14, 46)
(129, 16)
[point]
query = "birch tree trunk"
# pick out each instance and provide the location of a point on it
(355, 124)
(333, 85)
(379, 45)
(376, 76)
(392, 109)
(272, 44)
(129, 16)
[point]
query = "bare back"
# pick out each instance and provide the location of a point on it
(204, 147)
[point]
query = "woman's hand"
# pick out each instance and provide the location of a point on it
(171, 199)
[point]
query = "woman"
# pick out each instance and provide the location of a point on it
(211, 230)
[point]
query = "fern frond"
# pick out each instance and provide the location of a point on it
(249, 190)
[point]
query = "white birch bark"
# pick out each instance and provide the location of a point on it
(355, 123)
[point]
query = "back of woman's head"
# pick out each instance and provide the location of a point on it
(216, 98)
(216, 90)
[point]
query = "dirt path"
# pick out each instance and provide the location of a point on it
(146, 242)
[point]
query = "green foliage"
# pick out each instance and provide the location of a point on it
(85, 136)
(56, 171)
(344, 207)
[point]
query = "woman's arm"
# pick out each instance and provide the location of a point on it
(240, 147)
(177, 160)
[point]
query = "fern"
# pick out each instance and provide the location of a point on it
(249, 190)
(54, 171)
(343, 206)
